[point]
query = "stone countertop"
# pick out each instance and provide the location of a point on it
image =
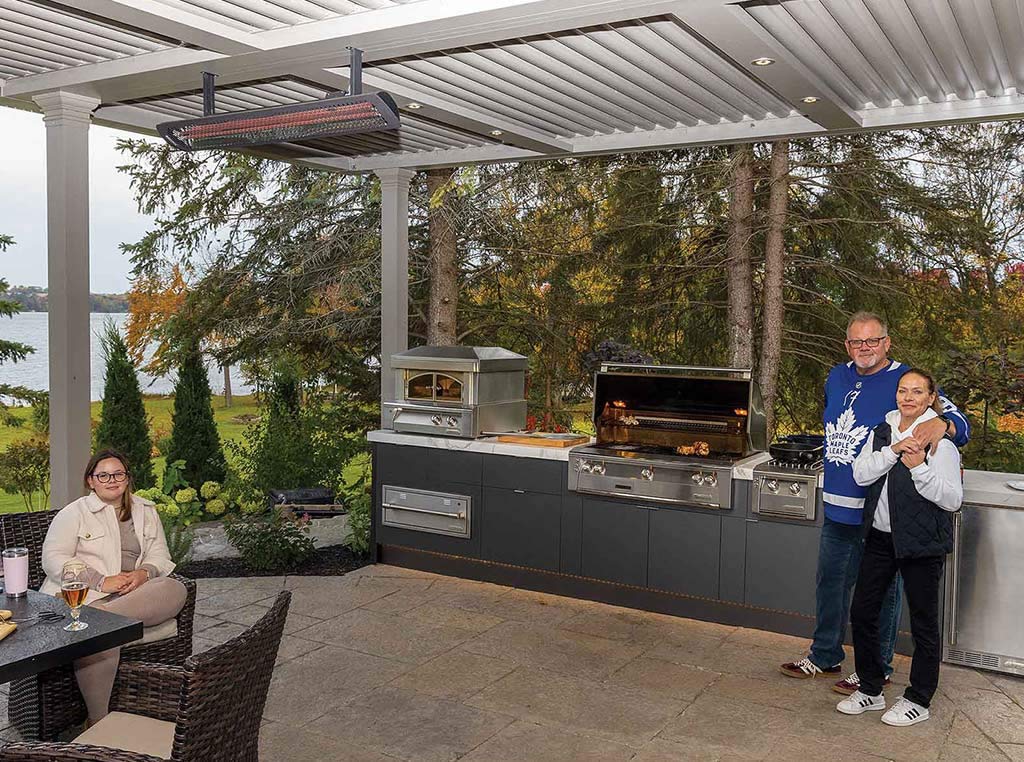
(990, 488)
(487, 445)
(743, 470)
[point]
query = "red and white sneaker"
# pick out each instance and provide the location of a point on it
(851, 683)
(805, 668)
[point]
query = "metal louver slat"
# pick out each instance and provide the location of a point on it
(484, 95)
(936, 21)
(778, 22)
(582, 54)
(848, 72)
(862, 29)
(597, 93)
(685, 42)
(984, 43)
(407, 76)
(475, 71)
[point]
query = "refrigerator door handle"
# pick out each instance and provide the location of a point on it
(954, 594)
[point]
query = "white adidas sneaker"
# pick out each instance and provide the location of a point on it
(858, 703)
(905, 712)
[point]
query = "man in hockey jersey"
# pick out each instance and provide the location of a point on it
(858, 394)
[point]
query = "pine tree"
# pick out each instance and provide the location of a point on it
(123, 423)
(13, 351)
(194, 436)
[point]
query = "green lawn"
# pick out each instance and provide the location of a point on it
(159, 410)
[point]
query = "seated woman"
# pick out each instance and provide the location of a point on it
(121, 541)
(908, 513)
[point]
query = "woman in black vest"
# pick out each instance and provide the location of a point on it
(909, 507)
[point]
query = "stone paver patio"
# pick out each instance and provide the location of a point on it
(387, 663)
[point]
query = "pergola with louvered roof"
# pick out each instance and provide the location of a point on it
(478, 81)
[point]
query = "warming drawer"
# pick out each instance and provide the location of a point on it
(426, 511)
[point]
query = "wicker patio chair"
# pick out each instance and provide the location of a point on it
(45, 705)
(209, 710)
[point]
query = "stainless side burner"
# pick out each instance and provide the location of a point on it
(786, 490)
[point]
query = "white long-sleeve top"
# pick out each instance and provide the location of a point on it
(937, 479)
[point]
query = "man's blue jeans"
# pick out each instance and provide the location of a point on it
(839, 554)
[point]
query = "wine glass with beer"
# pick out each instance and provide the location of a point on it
(73, 590)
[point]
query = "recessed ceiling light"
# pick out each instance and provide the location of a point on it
(497, 133)
(810, 99)
(763, 61)
(413, 106)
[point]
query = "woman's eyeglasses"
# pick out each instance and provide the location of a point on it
(858, 343)
(104, 478)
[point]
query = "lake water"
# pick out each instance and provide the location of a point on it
(30, 328)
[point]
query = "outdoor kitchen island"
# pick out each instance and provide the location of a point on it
(522, 526)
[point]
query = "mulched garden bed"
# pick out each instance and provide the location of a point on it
(333, 560)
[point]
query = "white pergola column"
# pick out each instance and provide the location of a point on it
(394, 272)
(66, 116)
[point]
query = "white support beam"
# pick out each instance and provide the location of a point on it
(66, 117)
(731, 30)
(408, 29)
(394, 273)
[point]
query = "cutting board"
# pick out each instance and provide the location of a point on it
(544, 439)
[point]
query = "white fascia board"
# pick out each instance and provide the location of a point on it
(167, 21)
(994, 109)
(738, 36)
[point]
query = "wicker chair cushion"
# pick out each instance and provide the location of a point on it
(162, 631)
(131, 732)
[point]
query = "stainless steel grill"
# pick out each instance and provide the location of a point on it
(669, 433)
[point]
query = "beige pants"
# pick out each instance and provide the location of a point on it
(154, 602)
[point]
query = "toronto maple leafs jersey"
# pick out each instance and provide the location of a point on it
(854, 405)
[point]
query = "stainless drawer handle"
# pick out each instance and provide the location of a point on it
(954, 594)
(392, 506)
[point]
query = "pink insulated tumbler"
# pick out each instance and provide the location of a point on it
(15, 572)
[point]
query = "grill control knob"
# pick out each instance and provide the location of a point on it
(583, 467)
(648, 474)
(599, 469)
(794, 488)
(711, 480)
(772, 485)
(697, 478)
(436, 420)
(452, 421)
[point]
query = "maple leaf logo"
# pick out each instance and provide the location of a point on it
(843, 438)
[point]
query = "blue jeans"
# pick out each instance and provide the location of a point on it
(839, 554)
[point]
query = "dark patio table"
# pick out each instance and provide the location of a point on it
(35, 648)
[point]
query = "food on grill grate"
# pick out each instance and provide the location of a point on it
(702, 449)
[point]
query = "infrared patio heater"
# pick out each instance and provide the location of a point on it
(337, 114)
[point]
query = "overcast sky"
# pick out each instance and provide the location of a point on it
(113, 217)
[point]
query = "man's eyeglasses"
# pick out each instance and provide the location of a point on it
(104, 478)
(858, 343)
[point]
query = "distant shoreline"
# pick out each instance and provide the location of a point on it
(36, 299)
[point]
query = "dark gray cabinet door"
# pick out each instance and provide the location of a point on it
(684, 551)
(614, 541)
(781, 565)
(521, 528)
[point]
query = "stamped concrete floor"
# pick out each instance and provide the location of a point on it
(387, 663)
